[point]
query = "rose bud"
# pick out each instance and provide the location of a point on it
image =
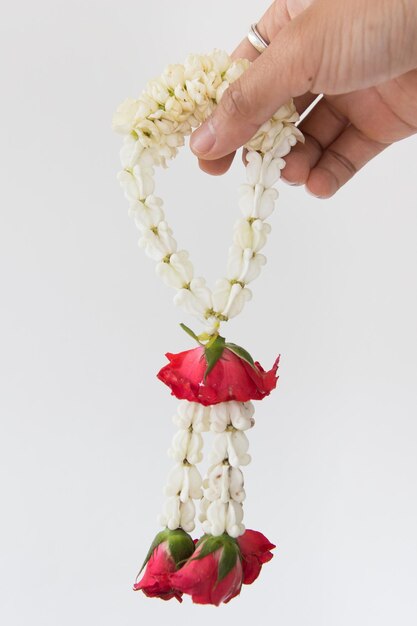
(213, 574)
(169, 550)
(255, 549)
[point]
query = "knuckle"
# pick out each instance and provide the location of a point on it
(342, 160)
(235, 103)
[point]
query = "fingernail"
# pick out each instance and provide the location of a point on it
(203, 139)
(288, 182)
(310, 193)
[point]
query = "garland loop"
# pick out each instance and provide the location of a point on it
(155, 126)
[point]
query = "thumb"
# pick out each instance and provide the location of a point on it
(284, 70)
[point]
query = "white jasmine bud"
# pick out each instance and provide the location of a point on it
(218, 452)
(287, 113)
(184, 415)
(147, 214)
(165, 236)
(130, 153)
(197, 91)
(241, 415)
(265, 203)
(128, 183)
(187, 446)
(171, 516)
(177, 272)
(182, 265)
(270, 170)
(201, 418)
(179, 445)
(236, 490)
(238, 297)
(124, 117)
(215, 523)
(184, 481)
(185, 487)
(147, 131)
(157, 91)
(157, 244)
(236, 70)
(187, 515)
(192, 414)
(168, 274)
(175, 480)
(221, 294)
(253, 167)
(173, 76)
(234, 517)
(219, 417)
(237, 447)
(143, 175)
(232, 446)
(196, 300)
(221, 61)
(187, 107)
(246, 200)
(217, 484)
(204, 504)
(194, 452)
(195, 482)
(146, 106)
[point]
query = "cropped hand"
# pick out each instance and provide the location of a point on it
(361, 55)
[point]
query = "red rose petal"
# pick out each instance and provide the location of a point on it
(231, 378)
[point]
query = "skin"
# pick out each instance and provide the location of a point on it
(360, 54)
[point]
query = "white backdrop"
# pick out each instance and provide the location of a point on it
(85, 323)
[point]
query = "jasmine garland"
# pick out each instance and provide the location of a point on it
(217, 381)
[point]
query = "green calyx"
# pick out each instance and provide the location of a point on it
(229, 555)
(180, 545)
(214, 346)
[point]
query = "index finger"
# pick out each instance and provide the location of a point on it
(272, 21)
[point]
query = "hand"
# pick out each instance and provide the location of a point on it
(361, 55)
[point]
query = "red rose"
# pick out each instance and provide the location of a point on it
(255, 549)
(192, 376)
(169, 548)
(213, 574)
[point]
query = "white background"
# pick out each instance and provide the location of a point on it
(85, 324)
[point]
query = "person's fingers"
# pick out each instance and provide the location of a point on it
(268, 28)
(272, 21)
(341, 160)
(320, 128)
(216, 167)
(285, 69)
(244, 50)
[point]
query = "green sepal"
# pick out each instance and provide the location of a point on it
(181, 545)
(230, 552)
(213, 352)
(210, 544)
(228, 558)
(160, 537)
(191, 333)
(241, 353)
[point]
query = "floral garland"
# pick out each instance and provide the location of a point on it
(216, 381)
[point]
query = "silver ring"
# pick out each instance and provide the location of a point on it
(256, 39)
